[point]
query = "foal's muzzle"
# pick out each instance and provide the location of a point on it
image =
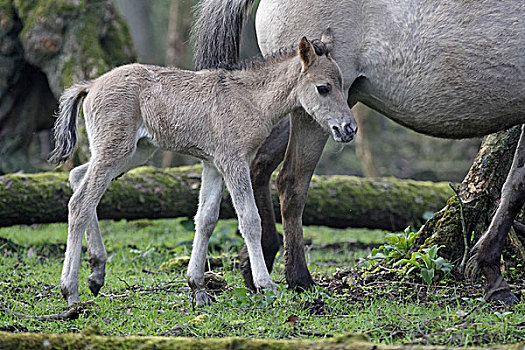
(344, 132)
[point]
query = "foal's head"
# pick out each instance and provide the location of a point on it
(320, 88)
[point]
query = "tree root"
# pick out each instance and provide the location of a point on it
(72, 314)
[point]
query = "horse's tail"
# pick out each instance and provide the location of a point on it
(217, 32)
(65, 130)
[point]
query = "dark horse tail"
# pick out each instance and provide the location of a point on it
(217, 32)
(65, 130)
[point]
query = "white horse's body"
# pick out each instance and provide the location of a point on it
(450, 69)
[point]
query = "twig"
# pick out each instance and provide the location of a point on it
(316, 334)
(71, 314)
(463, 229)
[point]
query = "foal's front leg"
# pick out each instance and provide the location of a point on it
(205, 221)
(237, 178)
(488, 249)
(268, 157)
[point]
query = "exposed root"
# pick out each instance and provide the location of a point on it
(72, 314)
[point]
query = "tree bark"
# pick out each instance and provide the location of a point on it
(470, 211)
(178, 55)
(336, 201)
(46, 46)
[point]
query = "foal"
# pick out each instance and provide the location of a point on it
(219, 116)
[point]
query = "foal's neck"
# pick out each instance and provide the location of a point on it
(270, 88)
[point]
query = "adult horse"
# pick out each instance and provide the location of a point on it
(447, 68)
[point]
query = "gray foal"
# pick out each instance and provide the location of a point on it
(219, 116)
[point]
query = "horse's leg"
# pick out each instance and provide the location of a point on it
(488, 249)
(96, 252)
(97, 256)
(82, 212)
(306, 144)
(237, 178)
(205, 221)
(266, 161)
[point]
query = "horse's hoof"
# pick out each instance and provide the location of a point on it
(95, 282)
(505, 296)
(202, 298)
(301, 284)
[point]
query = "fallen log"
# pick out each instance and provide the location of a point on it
(91, 339)
(147, 192)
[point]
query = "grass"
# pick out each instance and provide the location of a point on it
(139, 298)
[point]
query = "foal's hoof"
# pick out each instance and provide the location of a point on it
(505, 296)
(95, 282)
(246, 270)
(71, 298)
(202, 298)
(266, 286)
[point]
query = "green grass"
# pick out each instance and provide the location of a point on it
(140, 299)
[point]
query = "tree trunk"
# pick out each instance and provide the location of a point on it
(478, 194)
(368, 123)
(178, 55)
(138, 15)
(45, 46)
(336, 201)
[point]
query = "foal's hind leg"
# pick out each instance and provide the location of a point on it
(82, 212)
(205, 220)
(269, 156)
(97, 256)
(487, 251)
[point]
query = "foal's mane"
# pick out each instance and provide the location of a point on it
(275, 57)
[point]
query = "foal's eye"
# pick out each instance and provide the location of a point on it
(323, 89)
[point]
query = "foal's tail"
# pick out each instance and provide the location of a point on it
(65, 130)
(217, 32)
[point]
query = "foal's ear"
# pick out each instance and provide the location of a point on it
(306, 54)
(327, 37)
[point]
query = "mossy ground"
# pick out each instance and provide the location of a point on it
(140, 298)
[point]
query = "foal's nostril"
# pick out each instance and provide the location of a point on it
(348, 129)
(337, 131)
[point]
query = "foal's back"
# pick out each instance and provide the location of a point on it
(168, 106)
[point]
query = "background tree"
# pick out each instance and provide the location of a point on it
(45, 46)
(467, 215)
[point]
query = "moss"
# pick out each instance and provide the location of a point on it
(389, 201)
(117, 44)
(444, 228)
(33, 12)
(82, 341)
(174, 264)
(178, 263)
(6, 17)
(37, 196)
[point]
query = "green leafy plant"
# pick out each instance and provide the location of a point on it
(428, 262)
(396, 252)
(398, 246)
